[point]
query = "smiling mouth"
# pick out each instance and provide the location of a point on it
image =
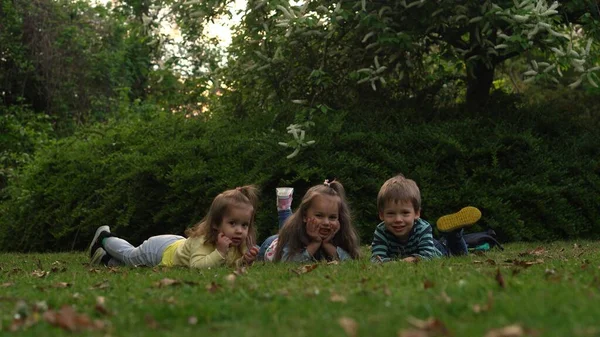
(324, 231)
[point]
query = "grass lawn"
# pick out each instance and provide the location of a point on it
(533, 289)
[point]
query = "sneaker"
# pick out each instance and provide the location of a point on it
(96, 243)
(98, 257)
(463, 218)
(284, 197)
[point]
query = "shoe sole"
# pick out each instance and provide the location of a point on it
(97, 257)
(98, 231)
(465, 217)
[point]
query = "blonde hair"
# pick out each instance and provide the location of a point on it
(293, 233)
(398, 189)
(209, 226)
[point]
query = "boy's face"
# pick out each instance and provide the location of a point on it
(399, 218)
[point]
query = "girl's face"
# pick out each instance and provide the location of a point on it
(236, 222)
(325, 209)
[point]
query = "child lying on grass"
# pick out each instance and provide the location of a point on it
(222, 237)
(402, 234)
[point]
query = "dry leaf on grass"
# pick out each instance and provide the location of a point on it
(337, 298)
(61, 285)
(68, 319)
(240, 271)
(514, 330)
(432, 326)
(39, 273)
(305, 269)
(427, 284)
(349, 325)
(213, 287)
(536, 252)
(166, 282)
(101, 306)
(151, 322)
(6, 285)
(500, 278)
(101, 285)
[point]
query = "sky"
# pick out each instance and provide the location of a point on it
(220, 29)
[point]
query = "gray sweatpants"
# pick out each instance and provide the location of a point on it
(149, 253)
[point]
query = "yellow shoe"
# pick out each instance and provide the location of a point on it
(465, 217)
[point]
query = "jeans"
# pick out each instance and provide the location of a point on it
(454, 245)
(149, 253)
(282, 215)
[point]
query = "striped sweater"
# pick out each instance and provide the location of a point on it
(387, 247)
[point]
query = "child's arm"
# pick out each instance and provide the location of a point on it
(379, 247)
(204, 255)
(425, 249)
(304, 256)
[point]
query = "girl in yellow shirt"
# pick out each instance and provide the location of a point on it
(225, 236)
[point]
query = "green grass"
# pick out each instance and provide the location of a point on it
(558, 296)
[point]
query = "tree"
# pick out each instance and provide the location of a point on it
(410, 46)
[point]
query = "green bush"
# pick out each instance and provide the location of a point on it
(533, 171)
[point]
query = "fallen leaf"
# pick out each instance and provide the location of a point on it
(213, 287)
(61, 285)
(387, 291)
(39, 273)
(432, 326)
(349, 325)
(305, 269)
(6, 285)
(514, 330)
(240, 271)
(538, 251)
(94, 270)
(337, 298)
(101, 306)
(500, 279)
(333, 262)
(101, 285)
(427, 284)
(67, 319)
(151, 322)
(166, 282)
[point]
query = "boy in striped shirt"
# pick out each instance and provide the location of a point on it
(402, 234)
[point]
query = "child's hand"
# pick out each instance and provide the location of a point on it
(410, 259)
(312, 229)
(250, 255)
(223, 243)
(335, 227)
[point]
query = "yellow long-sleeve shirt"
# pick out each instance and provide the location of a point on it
(195, 253)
